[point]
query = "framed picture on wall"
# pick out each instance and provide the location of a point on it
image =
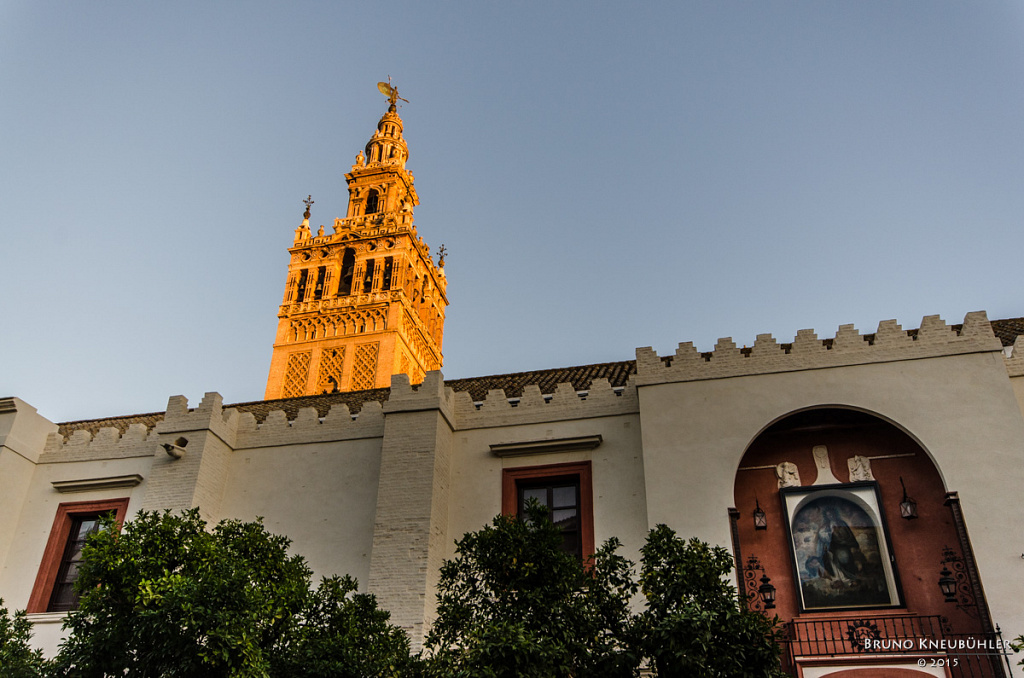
(841, 551)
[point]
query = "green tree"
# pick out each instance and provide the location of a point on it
(695, 625)
(17, 657)
(343, 634)
(513, 604)
(166, 597)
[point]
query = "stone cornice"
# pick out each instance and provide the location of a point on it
(104, 483)
(546, 446)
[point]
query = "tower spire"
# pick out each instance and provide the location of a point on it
(366, 301)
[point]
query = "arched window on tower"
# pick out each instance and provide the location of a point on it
(368, 278)
(348, 262)
(318, 291)
(372, 200)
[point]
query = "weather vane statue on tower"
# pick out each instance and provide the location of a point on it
(390, 91)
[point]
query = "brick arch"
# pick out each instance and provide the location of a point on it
(843, 407)
(854, 429)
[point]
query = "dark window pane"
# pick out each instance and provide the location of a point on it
(538, 493)
(571, 544)
(87, 526)
(64, 596)
(564, 518)
(561, 497)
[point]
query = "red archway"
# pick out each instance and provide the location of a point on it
(839, 454)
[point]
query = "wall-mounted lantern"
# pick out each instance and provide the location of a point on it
(956, 585)
(947, 585)
(761, 597)
(760, 519)
(908, 507)
(767, 592)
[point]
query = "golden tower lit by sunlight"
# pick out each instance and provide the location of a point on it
(366, 301)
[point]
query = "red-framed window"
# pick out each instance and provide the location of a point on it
(567, 491)
(54, 587)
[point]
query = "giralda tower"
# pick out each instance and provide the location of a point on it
(366, 301)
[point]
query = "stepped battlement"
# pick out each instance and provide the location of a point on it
(807, 352)
(109, 442)
(533, 406)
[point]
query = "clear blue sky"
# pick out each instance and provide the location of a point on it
(604, 176)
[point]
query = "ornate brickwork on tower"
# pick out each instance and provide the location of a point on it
(366, 301)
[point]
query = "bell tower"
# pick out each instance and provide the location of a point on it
(366, 301)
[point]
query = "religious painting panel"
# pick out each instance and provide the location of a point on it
(841, 552)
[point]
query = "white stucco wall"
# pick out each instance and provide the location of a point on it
(321, 495)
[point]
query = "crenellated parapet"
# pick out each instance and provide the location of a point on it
(141, 440)
(237, 427)
(807, 352)
(108, 443)
(430, 394)
(308, 427)
(210, 414)
(497, 409)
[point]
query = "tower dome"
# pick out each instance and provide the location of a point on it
(387, 146)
